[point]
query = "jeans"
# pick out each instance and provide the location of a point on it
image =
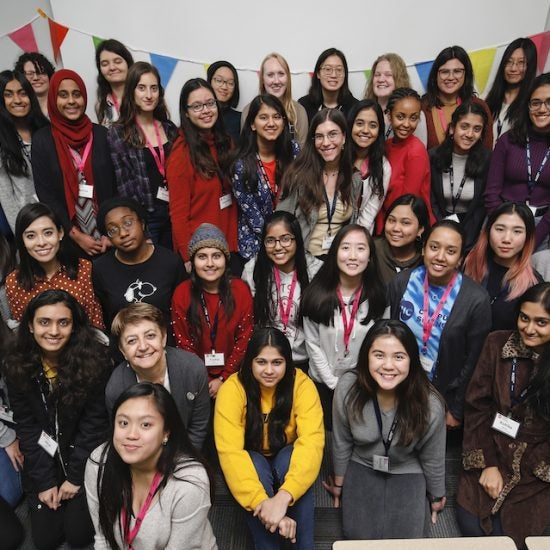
(470, 524)
(272, 472)
(10, 481)
(159, 227)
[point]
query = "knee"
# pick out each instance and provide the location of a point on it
(79, 529)
(281, 463)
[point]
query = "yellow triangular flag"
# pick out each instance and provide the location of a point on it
(482, 62)
(206, 65)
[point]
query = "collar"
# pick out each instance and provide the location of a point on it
(515, 348)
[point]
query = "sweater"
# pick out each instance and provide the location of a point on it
(232, 335)
(304, 431)
(195, 199)
(388, 266)
(507, 179)
(359, 439)
(178, 516)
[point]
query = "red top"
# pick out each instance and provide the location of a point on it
(232, 335)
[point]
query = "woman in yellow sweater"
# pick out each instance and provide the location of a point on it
(268, 425)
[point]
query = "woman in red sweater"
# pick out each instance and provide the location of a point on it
(197, 171)
(408, 158)
(212, 312)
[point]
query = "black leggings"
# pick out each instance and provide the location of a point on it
(470, 525)
(11, 528)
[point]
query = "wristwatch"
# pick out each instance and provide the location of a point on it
(433, 499)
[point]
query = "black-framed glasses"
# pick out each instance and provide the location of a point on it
(284, 240)
(536, 104)
(198, 107)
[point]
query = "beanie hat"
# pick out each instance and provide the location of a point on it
(118, 202)
(208, 236)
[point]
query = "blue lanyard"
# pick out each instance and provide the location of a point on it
(530, 180)
(330, 208)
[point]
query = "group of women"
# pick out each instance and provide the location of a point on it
(374, 273)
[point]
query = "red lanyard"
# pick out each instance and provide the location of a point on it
(116, 104)
(348, 327)
(364, 171)
(442, 116)
(285, 312)
(159, 161)
(80, 161)
(428, 324)
(144, 509)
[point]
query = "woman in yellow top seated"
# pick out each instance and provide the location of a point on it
(268, 426)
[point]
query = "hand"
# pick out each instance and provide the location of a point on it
(105, 243)
(436, 508)
(451, 421)
(335, 492)
(491, 481)
(15, 455)
(272, 510)
(67, 491)
(213, 387)
(287, 529)
(86, 242)
(49, 498)
(188, 266)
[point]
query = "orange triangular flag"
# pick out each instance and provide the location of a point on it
(57, 35)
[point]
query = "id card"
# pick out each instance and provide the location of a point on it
(381, 463)
(48, 443)
(327, 241)
(225, 201)
(86, 191)
(426, 362)
(507, 426)
(214, 359)
(162, 194)
(6, 415)
(453, 218)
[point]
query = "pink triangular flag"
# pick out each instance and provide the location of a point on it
(24, 38)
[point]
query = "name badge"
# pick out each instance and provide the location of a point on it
(86, 191)
(6, 415)
(48, 443)
(214, 359)
(327, 241)
(225, 201)
(426, 362)
(453, 218)
(162, 194)
(506, 425)
(381, 463)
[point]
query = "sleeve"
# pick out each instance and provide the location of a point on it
(120, 159)
(371, 203)
(180, 324)
(90, 485)
(13, 293)
(7, 435)
(199, 420)
(542, 229)
(236, 464)
(318, 361)
(342, 438)
(307, 452)
(495, 178)
(302, 124)
(91, 303)
(418, 175)
(421, 131)
(250, 213)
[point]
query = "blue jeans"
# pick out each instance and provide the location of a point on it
(10, 481)
(159, 227)
(272, 472)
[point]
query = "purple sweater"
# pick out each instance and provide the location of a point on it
(507, 179)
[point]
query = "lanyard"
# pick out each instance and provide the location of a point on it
(364, 170)
(455, 198)
(388, 131)
(80, 161)
(500, 124)
(442, 116)
(330, 208)
(513, 399)
(530, 181)
(116, 104)
(348, 327)
(159, 161)
(428, 323)
(393, 428)
(274, 190)
(213, 327)
(144, 509)
(285, 312)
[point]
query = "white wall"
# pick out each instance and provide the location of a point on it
(243, 31)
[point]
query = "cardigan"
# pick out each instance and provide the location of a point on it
(524, 502)
(304, 431)
(461, 340)
(188, 386)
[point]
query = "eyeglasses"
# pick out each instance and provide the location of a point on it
(328, 70)
(332, 137)
(198, 107)
(220, 82)
(446, 73)
(34, 74)
(536, 104)
(284, 240)
(114, 230)
(520, 63)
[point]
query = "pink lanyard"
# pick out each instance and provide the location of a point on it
(158, 161)
(442, 116)
(80, 161)
(428, 324)
(364, 171)
(116, 104)
(285, 312)
(348, 327)
(144, 509)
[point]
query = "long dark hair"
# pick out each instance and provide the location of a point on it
(249, 143)
(316, 90)
(538, 395)
(82, 362)
(103, 87)
(319, 300)
(211, 71)
(495, 97)
(114, 480)
(413, 410)
(477, 161)
(265, 308)
(29, 269)
(11, 147)
(375, 154)
(279, 416)
(305, 175)
(7, 259)
(431, 98)
(199, 149)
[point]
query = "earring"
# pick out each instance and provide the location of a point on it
(165, 441)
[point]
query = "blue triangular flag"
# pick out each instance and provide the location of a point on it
(165, 66)
(423, 69)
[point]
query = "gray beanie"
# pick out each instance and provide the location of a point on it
(208, 236)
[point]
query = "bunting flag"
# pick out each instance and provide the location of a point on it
(206, 66)
(482, 63)
(57, 34)
(367, 73)
(165, 66)
(423, 69)
(97, 41)
(24, 38)
(542, 42)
